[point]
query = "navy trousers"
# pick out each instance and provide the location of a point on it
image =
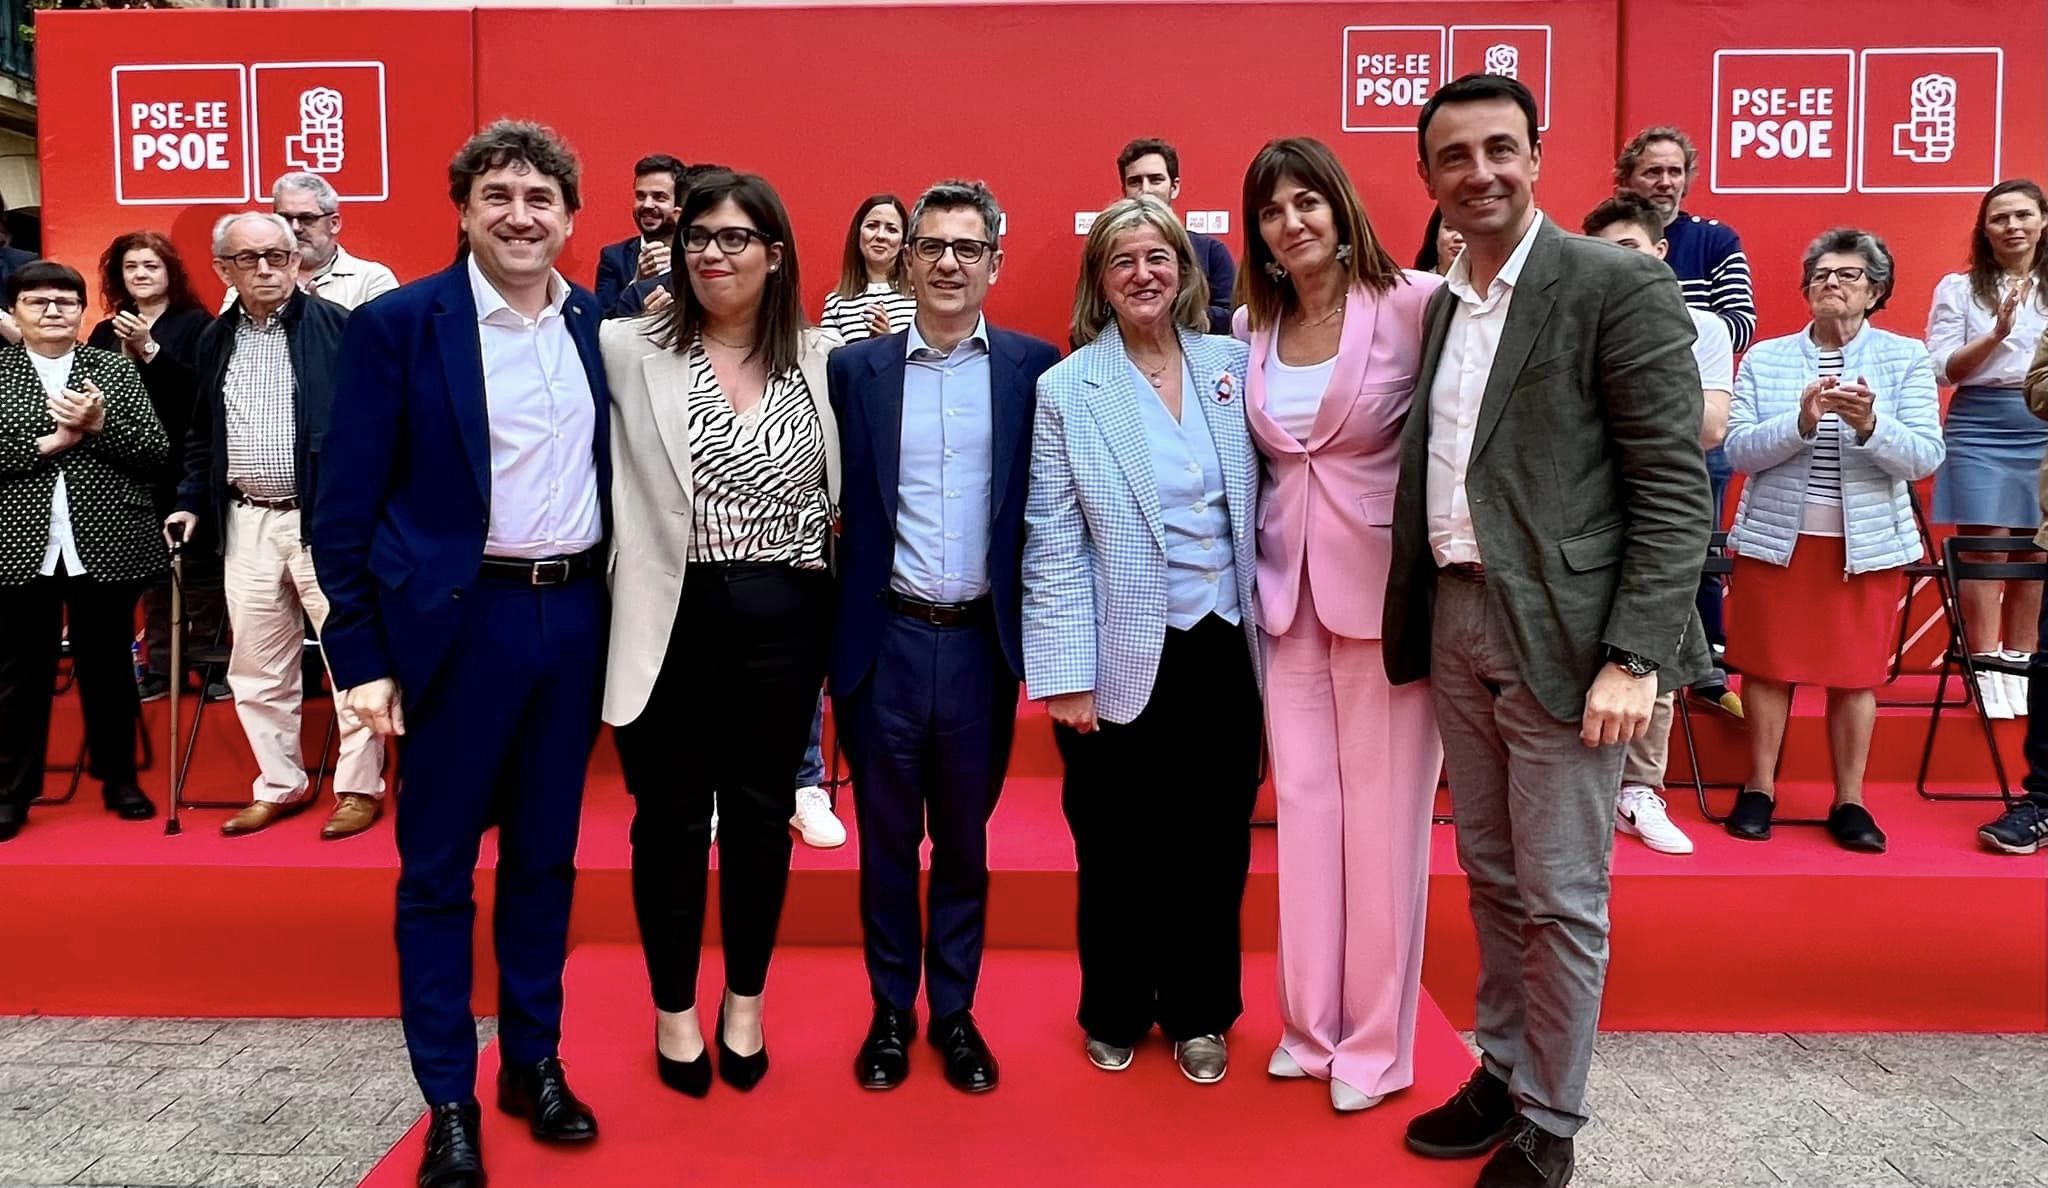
(927, 735)
(502, 737)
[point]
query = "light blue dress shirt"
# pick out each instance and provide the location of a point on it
(944, 467)
(1201, 578)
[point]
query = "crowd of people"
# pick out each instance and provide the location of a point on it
(1376, 524)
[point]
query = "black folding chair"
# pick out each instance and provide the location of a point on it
(1920, 575)
(1959, 660)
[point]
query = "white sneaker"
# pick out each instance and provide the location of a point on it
(2015, 686)
(814, 821)
(1639, 812)
(1991, 691)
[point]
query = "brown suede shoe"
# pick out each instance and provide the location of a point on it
(353, 813)
(258, 816)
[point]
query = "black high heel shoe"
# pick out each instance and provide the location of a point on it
(741, 1072)
(691, 1077)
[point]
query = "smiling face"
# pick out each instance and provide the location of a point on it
(946, 288)
(654, 204)
(881, 237)
(516, 223)
(1141, 278)
(143, 275)
(1481, 168)
(1659, 176)
(729, 283)
(1299, 226)
(2013, 225)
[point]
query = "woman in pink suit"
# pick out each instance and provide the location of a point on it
(1335, 328)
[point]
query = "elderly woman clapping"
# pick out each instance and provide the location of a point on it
(1831, 424)
(1139, 633)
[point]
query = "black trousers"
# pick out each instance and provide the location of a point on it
(730, 715)
(33, 617)
(1160, 809)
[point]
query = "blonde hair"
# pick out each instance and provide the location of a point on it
(1092, 310)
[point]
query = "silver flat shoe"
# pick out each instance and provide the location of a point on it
(1348, 1100)
(1109, 1057)
(1283, 1065)
(1202, 1059)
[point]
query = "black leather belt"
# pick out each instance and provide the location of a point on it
(939, 614)
(243, 497)
(1470, 571)
(550, 571)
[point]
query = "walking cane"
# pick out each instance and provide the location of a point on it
(171, 827)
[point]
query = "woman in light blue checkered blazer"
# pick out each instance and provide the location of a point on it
(1139, 634)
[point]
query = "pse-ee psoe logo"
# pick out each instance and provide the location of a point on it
(221, 132)
(1390, 71)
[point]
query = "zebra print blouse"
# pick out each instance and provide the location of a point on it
(757, 478)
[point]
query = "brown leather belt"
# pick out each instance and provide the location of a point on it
(1469, 571)
(548, 571)
(243, 497)
(939, 614)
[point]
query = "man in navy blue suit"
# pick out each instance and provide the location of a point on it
(657, 194)
(460, 538)
(935, 430)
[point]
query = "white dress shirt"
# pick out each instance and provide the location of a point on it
(945, 469)
(543, 471)
(63, 542)
(1956, 318)
(1461, 374)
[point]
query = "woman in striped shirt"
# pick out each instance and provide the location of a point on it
(1831, 425)
(873, 297)
(725, 474)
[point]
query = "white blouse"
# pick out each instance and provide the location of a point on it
(1294, 395)
(1956, 318)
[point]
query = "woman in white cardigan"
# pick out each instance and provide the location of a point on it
(1830, 424)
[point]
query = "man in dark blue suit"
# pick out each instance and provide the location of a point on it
(1151, 166)
(459, 540)
(657, 193)
(935, 430)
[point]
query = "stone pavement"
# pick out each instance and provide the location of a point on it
(300, 1103)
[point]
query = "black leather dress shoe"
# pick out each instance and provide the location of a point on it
(884, 1058)
(1530, 1157)
(1468, 1125)
(12, 818)
(540, 1094)
(970, 1066)
(128, 802)
(455, 1148)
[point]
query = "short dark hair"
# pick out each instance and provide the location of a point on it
(779, 325)
(1475, 88)
(1625, 208)
(516, 142)
(1145, 146)
(44, 274)
(659, 163)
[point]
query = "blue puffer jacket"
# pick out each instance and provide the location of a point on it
(1764, 443)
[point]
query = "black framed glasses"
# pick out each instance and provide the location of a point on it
(1847, 276)
(931, 248)
(730, 240)
(247, 261)
(307, 220)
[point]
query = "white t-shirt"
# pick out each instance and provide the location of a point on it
(63, 543)
(1713, 351)
(1294, 395)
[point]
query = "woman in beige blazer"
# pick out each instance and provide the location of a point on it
(724, 490)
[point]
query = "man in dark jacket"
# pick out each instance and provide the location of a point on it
(1150, 166)
(266, 385)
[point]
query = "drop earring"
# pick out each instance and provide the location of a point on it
(1343, 253)
(1274, 270)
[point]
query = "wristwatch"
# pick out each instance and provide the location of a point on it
(1630, 662)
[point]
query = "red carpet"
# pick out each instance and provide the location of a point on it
(115, 918)
(1055, 1119)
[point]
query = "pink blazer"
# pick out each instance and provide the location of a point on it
(1326, 506)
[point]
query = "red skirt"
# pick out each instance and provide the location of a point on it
(1804, 624)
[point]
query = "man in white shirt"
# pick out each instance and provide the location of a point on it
(326, 269)
(1632, 222)
(1549, 528)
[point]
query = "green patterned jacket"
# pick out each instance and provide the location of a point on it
(106, 477)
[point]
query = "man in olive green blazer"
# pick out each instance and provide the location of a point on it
(1550, 523)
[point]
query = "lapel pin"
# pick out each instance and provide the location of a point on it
(1224, 388)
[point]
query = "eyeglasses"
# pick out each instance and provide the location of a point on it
(40, 305)
(247, 261)
(730, 240)
(307, 220)
(1847, 276)
(931, 249)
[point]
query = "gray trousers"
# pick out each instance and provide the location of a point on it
(1535, 822)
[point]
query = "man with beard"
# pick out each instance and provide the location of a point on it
(657, 185)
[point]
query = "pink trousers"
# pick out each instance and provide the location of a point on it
(1355, 768)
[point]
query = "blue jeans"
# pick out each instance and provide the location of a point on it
(811, 773)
